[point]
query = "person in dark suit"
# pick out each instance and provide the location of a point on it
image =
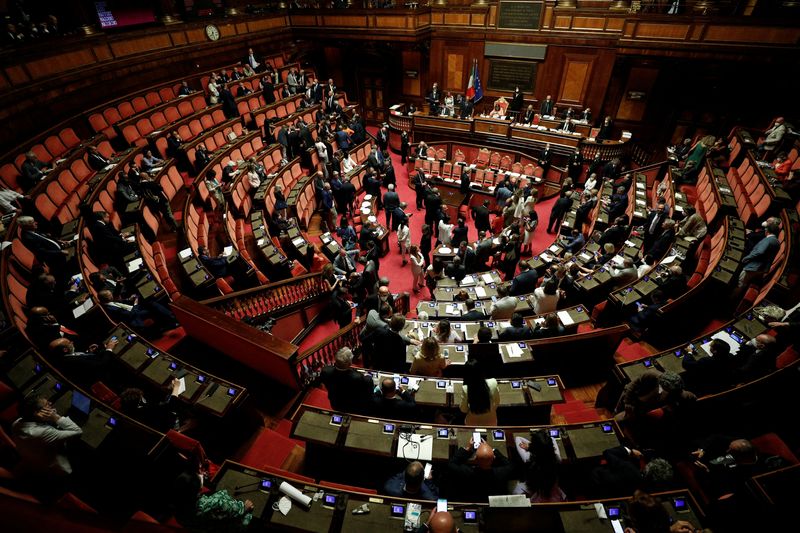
(377, 299)
(708, 374)
(759, 260)
(460, 233)
(49, 251)
(150, 316)
(622, 473)
(161, 413)
(467, 108)
(420, 187)
(588, 202)
(95, 159)
(545, 159)
(228, 102)
(605, 130)
(517, 331)
(390, 347)
(653, 224)
(547, 106)
(467, 256)
(391, 201)
(456, 270)
(575, 164)
(487, 476)
(393, 404)
(86, 367)
(664, 242)
(524, 282)
(349, 391)
(757, 357)
(551, 328)
(110, 245)
(411, 483)
(618, 204)
(528, 116)
(33, 171)
(586, 116)
(383, 138)
(472, 313)
(574, 242)
(480, 215)
(433, 209)
(433, 98)
(615, 234)
(516, 104)
(567, 126)
(558, 211)
(646, 314)
(217, 266)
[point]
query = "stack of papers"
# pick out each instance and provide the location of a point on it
(134, 265)
(514, 351)
(564, 317)
(81, 309)
(185, 254)
(228, 250)
(480, 292)
(452, 309)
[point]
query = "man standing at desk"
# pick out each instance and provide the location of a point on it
(433, 99)
(391, 201)
(349, 391)
(547, 106)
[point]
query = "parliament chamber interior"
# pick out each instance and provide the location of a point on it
(253, 254)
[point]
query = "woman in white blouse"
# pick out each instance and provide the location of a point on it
(404, 239)
(479, 397)
(348, 164)
(545, 298)
(445, 231)
(417, 268)
(213, 90)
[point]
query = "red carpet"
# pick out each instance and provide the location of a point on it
(269, 449)
(392, 265)
(319, 333)
(630, 350)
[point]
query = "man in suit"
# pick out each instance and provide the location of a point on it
(525, 281)
(662, 244)
(567, 126)
(349, 391)
(433, 98)
(516, 104)
(588, 202)
(545, 159)
(547, 106)
(575, 164)
(586, 115)
(374, 160)
(455, 270)
(152, 316)
(95, 159)
(709, 374)
(615, 234)
(390, 349)
(86, 367)
(558, 211)
(653, 224)
(420, 187)
(646, 313)
(623, 473)
(487, 475)
(517, 331)
(411, 483)
(618, 204)
(393, 404)
(605, 130)
(256, 62)
(217, 266)
(383, 138)
(343, 264)
(505, 306)
(372, 186)
(758, 262)
(757, 356)
(467, 108)
(433, 209)
(459, 233)
(49, 251)
(575, 241)
(33, 171)
(481, 216)
(377, 299)
(391, 201)
(625, 274)
(484, 249)
(472, 313)
(343, 140)
(527, 118)
(389, 177)
(467, 256)
(110, 245)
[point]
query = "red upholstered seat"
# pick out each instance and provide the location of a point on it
(771, 444)
(270, 448)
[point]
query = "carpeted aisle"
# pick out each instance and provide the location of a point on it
(392, 264)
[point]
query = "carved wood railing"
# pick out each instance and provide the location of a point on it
(255, 306)
(311, 361)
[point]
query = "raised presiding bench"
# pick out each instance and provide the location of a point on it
(203, 391)
(332, 508)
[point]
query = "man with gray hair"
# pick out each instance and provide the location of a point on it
(652, 390)
(48, 251)
(349, 391)
(624, 472)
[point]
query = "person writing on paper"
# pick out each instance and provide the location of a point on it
(428, 361)
(217, 511)
(480, 396)
(475, 474)
(412, 483)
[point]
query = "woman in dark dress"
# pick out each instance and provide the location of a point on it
(425, 244)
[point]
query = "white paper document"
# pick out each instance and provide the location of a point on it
(487, 278)
(228, 250)
(415, 447)
(185, 254)
(480, 292)
(509, 500)
(565, 319)
(725, 337)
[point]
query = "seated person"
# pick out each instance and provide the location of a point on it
(394, 404)
(624, 472)
(110, 245)
(445, 334)
(476, 474)
(161, 414)
(349, 391)
(456, 270)
(653, 390)
(708, 373)
(151, 316)
(518, 331)
(542, 459)
(210, 511)
(411, 483)
(84, 367)
(551, 328)
(472, 313)
(40, 435)
(646, 314)
(428, 361)
(42, 327)
(218, 266)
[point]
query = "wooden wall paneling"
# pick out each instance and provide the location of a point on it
(412, 61)
(640, 79)
(575, 78)
(148, 43)
(455, 68)
(56, 64)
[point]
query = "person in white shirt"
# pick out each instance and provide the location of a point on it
(545, 298)
(213, 91)
(417, 268)
(348, 164)
(445, 231)
(322, 152)
(8, 198)
(404, 239)
(252, 177)
(40, 434)
(445, 334)
(646, 266)
(591, 182)
(505, 305)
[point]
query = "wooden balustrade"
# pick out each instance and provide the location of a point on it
(255, 306)
(311, 361)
